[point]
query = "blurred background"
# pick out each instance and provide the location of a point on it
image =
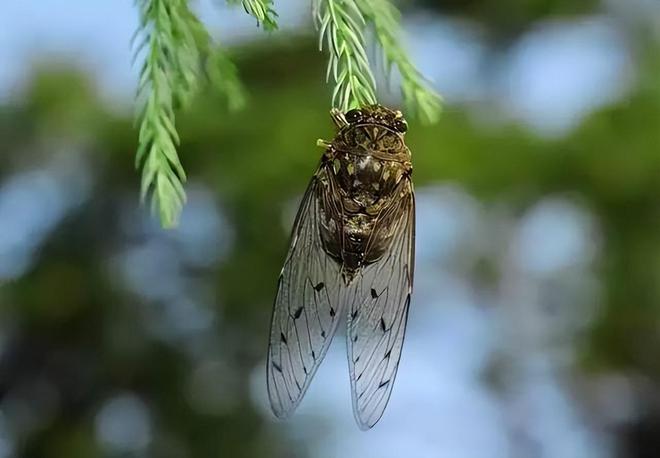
(535, 323)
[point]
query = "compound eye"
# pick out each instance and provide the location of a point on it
(353, 115)
(401, 125)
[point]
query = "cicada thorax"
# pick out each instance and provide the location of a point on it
(367, 163)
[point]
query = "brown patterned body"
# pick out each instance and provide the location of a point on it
(368, 162)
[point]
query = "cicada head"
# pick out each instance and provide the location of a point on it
(373, 128)
(377, 115)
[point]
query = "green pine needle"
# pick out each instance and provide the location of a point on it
(178, 52)
(419, 98)
(261, 10)
(341, 27)
(219, 69)
(168, 78)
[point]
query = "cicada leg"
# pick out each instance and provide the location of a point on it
(338, 118)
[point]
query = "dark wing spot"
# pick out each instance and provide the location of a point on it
(323, 334)
(383, 384)
(382, 325)
(313, 354)
(354, 315)
(277, 368)
(357, 359)
(305, 369)
(298, 312)
(319, 286)
(332, 311)
(355, 338)
(283, 338)
(388, 354)
(374, 294)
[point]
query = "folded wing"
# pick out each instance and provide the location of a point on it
(307, 307)
(378, 302)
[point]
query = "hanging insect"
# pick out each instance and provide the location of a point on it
(352, 252)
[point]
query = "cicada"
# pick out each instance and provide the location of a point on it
(351, 257)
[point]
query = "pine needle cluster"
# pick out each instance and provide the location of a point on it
(342, 25)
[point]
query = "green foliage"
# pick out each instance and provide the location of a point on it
(217, 66)
(341, 26)
(261, 10)
(178, 52)
(168, 77)
(420, 99)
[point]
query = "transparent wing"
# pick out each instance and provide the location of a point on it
(307, 306)
(378, 300)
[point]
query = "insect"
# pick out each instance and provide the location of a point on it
(351, 255)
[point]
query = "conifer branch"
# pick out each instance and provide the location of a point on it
(341, 27)
(419, 97)
(174, 45)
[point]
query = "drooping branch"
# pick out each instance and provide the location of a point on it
(341, 28)
(177, 53)
(420, 99)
